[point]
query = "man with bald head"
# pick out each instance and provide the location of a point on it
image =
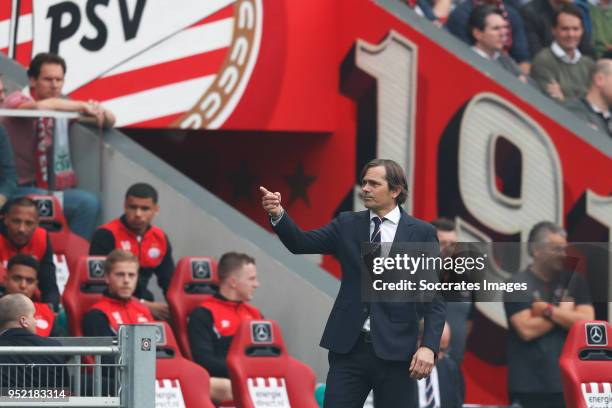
(594, 108)
(18, 328)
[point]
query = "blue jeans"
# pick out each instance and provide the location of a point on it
(81, 208)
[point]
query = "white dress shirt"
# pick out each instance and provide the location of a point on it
(388, 228)
(436, 389)
(562, 55)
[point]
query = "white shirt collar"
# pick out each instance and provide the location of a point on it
(562, 55)
(393, 216)
(484, 54)
(595, 109)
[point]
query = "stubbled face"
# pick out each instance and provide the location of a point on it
(244, 282)
(375, 190)
(552, 253)
(122, 279)
(22, 279)
(49, 83)
(21, 222)
(568, 32)
(139, 213)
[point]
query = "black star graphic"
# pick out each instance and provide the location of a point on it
(298, 183)
(242, 181)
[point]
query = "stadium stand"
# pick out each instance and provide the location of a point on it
(194, 279)
(83, 289)
(259, 361)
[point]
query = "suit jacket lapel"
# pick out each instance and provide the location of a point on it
(404, 231)
(363, 226)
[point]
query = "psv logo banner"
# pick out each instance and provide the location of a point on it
(146, 60)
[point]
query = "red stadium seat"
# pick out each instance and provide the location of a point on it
(258, 363)
(178, 377)
(586, 365)
(67, 246)
(194, 279)
(83, 289)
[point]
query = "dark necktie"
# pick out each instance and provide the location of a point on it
(376, 233)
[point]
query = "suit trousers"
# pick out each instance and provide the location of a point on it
(351, 376)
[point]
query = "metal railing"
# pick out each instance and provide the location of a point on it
(97, 372)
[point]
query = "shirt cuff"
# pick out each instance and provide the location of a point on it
(275, 220)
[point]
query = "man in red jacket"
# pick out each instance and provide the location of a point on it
(20, 234)
(22, 277)
(133, 232)
(212, 325)
(118, 305)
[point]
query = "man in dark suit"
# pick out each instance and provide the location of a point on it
(444, 387)
(18, 328)
(372, 345)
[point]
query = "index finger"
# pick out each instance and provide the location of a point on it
(264, 190)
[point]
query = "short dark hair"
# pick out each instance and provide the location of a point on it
(539, 231)
(230, 262)
(44, 58)
(567, 9)
(25, 260)
(394, 175)
(142, 190)
(19, 202)
(478, 19)
(443, 224)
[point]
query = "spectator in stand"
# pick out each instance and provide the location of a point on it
(41, 145)
(594, 108)
(212, 325)
(538, 18)
(601, 19)
(133, 232)
(18, 328)
(539, 319)
(444, 387)
(437, 12)
(8, 174)
(118, 305)
(20, 234)
(561, 70)
(487, 31)
(515, 41)
(22, 277)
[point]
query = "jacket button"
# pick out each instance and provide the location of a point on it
(365, 310)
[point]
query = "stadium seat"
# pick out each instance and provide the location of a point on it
(84, 288)
(258, 363)
(586, 365)
(178, 379)
(67, 246)
(194, 279)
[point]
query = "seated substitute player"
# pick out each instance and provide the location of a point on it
(20, 234)
(212, 325)
(118, 306)
(133, 232)
(22, 277)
